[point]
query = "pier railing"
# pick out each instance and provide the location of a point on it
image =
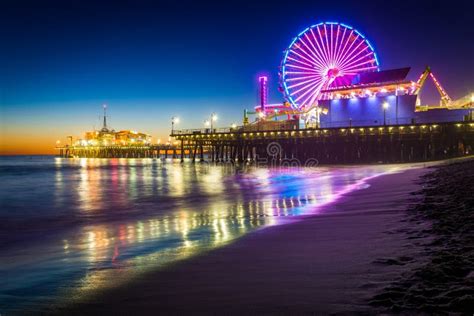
(406, 127)
(206, 130)
(258, 127)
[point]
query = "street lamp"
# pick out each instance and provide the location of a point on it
(470, 108)
(234, 126)
(318, 117)
(385, 107)
(174, 120)
(213, 119)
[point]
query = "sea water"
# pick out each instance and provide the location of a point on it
(72, 227)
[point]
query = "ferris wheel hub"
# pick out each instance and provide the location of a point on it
(333, 73)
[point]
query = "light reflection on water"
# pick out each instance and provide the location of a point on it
(73, 226)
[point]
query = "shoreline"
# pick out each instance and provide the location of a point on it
(326, 263)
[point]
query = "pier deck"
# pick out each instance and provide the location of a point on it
(116, 151)
(366, 144)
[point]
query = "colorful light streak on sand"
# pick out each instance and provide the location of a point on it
(86, 225)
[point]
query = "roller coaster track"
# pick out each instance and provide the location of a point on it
(466, 102)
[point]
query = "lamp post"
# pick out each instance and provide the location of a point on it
(318, 117)
(385, 106)
(174, 120)
(470, 108)
(213, 119)
(261, 117)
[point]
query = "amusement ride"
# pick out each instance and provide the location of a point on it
(332, 60)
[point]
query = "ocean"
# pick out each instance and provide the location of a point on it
(71, 228)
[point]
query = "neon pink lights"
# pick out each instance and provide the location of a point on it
(263, 93)
(323, 56)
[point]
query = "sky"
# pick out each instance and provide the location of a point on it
(152, 60)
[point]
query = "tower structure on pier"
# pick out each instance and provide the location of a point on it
(104, 126)
(263, 92)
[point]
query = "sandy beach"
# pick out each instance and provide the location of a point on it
(445, 283)
(335, 262)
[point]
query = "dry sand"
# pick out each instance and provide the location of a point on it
(445, 283)
(334, 262)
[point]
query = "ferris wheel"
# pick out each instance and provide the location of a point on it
(323, 56)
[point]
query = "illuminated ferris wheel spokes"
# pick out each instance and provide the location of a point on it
(324, 55)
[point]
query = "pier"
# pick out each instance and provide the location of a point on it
(349, 145)
(117, 151)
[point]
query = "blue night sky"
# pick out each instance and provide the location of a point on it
(150, 60)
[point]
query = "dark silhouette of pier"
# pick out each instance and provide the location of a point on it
(348, 145)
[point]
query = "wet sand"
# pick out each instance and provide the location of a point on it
(335, 262)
